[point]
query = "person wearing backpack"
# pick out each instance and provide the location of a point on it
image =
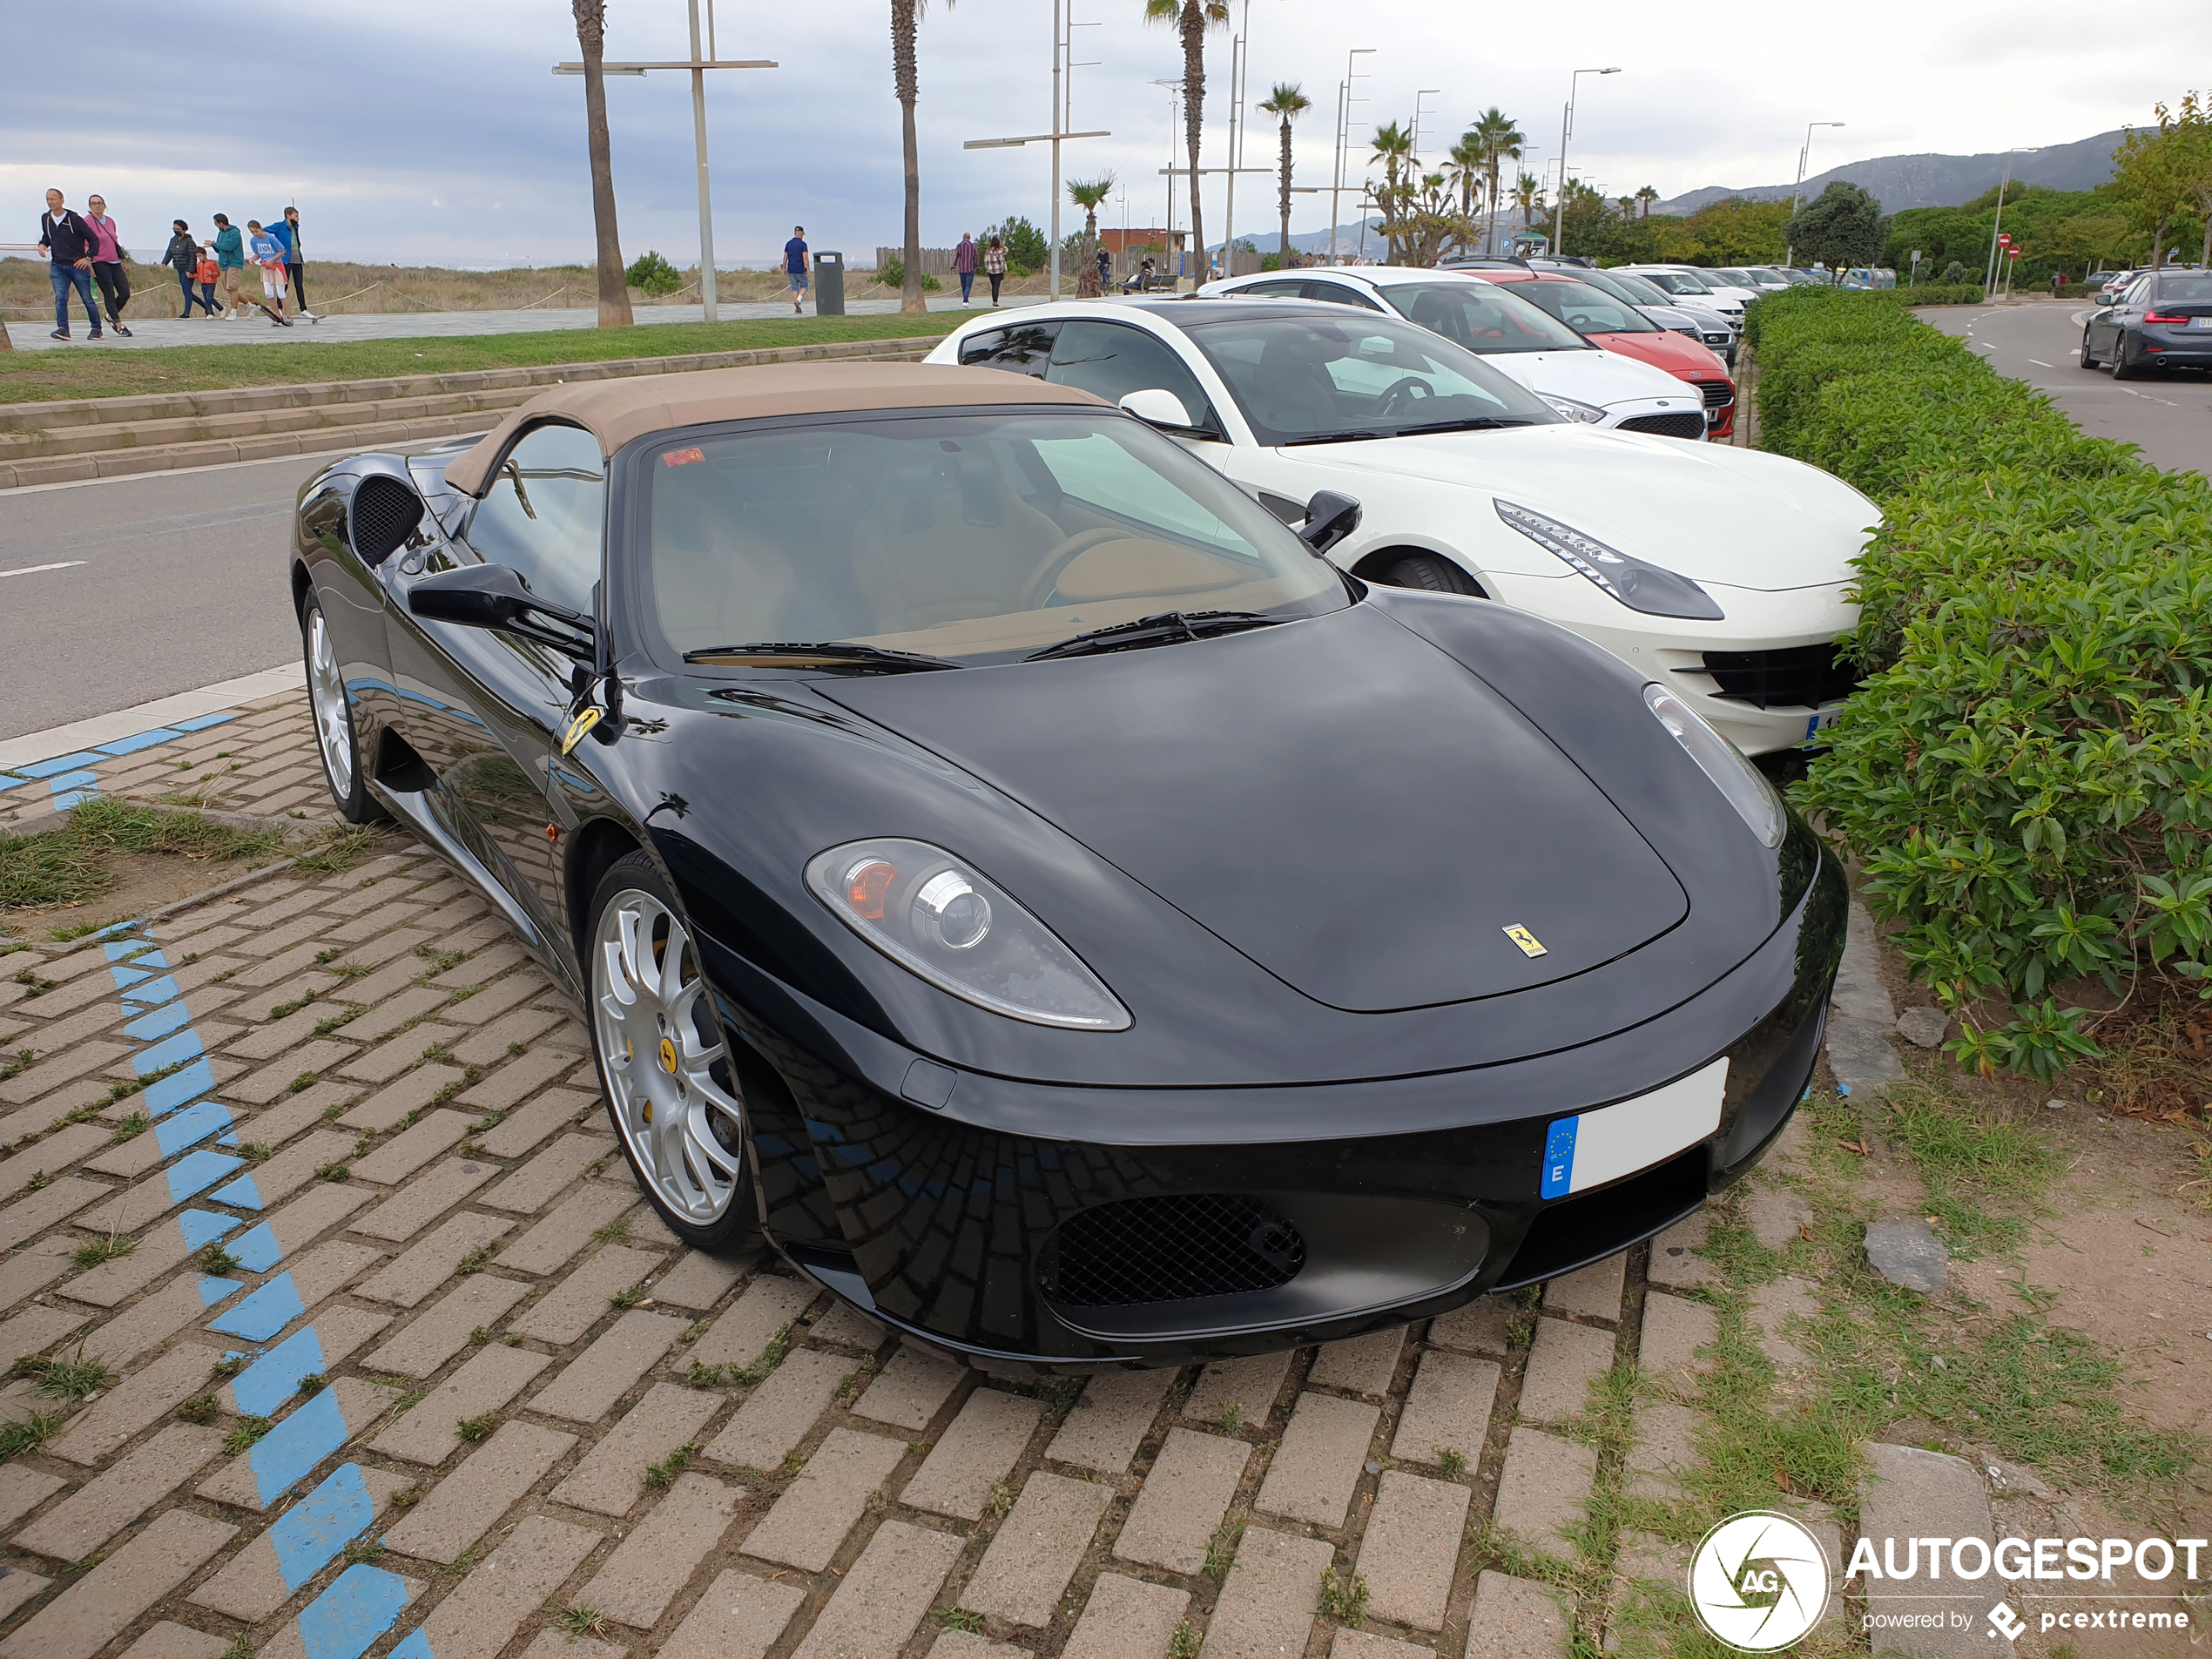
(182, 256)
(67, 242)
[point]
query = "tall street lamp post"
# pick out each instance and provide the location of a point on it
(1804, 154)
(1345, 101)
(1989, 275)
(1064, 28)
(1566, 131)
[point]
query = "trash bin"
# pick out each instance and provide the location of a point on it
(829, 285)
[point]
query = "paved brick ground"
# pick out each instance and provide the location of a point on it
(402, 1362)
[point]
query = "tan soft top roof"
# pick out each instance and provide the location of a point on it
(617, 411)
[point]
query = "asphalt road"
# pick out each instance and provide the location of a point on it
(171, 581)
(2169, 417)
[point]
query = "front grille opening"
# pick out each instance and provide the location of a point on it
(1800, 676)
(1718, 393)
(1691, 425)
(385, 514)
(1168, 1249)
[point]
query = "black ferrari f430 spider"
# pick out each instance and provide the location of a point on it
(1007, 870)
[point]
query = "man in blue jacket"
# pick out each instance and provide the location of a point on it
(67, 241)
(286, 229)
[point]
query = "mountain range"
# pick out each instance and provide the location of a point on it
(1898, 182)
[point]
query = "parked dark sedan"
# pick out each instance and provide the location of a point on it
(1006, 868)
(2162, 320)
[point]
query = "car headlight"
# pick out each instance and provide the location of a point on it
(1634, 584)
(1573, 411)
(954, 927)
(1745, 785)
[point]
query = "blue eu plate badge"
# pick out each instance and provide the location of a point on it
(1593, 1148)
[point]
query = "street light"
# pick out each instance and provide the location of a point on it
(698, 66)
(1989, 275)
(1064, 28)
(1566, 131)
(1345, 101)
(1426, 91)
(1805, 153)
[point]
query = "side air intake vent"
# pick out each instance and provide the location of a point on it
(385, 514)
(1167, 1250)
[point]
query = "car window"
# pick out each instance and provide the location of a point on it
(1282, 288)
(1584, 309)
(1111, 359)
(1640, 289)
(1025, 349)
(1337, 294)
(545, 515)
(1091, 469)
(1301, 380)
(2185, 290)
(1483, 316)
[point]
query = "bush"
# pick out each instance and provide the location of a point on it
(930, 284)
(653, 274)
(2027, 773)
(893, 273)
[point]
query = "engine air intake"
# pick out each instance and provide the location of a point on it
(1688, 425)
(385, 514)
(1797, 677)
(1168, 1249)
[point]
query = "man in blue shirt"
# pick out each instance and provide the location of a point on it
(795, 268)
(286, 229)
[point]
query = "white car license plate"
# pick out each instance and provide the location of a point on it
(1593, 1148)
(1817, 723)
(2201, 322)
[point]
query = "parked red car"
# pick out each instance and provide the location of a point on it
(1608, 323)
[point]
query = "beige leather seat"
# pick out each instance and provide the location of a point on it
(715, 582)
(946, 539)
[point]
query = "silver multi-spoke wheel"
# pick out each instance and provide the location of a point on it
(326, 692)
(659, 1048)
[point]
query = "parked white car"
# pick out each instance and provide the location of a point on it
(1688, 282)
(1722, 573)
(1582, 381)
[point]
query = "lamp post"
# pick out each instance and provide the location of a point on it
(1566, 131)
(698, 66)
(1805, 153)
(1063, 35)
(1345, 101)
(1989, 274)
(1426, 91)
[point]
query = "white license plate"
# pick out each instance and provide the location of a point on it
(2201, 322)
(1593, 1148)
(1817, 723)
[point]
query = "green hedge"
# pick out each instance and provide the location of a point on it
(2028, 775)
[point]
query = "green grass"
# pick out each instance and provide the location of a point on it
(73, 864)
(1983, 1170)
(89, 371)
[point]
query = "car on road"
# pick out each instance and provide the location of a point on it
(1723, 573)
(1575, 375)
(1619, 327)
(2162, 320)
(2117, 283)
(1007, 872)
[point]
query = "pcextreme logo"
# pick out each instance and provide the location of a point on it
(1759, 1582)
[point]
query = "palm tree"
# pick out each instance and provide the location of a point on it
(1191, 18)
(1087, 194)
(614, 289)
(1501, 141)
(1628, 206)
(1394, 149)
(906, 17)
(1645, 198)
(1287, 103)
(1529, 196)
(1463, 163)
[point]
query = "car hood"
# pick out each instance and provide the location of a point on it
(1675, 353)
(1710, 511)
(1601, 378)
(1286, 788)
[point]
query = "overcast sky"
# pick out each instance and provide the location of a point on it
(430, 131)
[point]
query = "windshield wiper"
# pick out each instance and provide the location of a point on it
(1473, 423)
(834, 653)
(1169, 627)
(1337, 437)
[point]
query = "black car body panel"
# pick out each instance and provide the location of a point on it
(1280, 849)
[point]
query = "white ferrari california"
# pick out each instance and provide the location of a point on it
(1723, 572)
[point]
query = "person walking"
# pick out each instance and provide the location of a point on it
(229, 262)
(182, 256)
(964, 266)
(286, 229)
(1105, 270)
(268, 253)
(107, 263)
(207, 273)
(995, 265)
(67, 242)
(795, 268)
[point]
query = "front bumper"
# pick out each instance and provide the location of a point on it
(1071, 1251)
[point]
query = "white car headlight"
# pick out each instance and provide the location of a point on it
(937, 917)
(1580, 412)
(1636, 584)
(1745, 785)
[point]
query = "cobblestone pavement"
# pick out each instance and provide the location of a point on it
(392, 1356)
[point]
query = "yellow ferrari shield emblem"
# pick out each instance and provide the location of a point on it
(578, 727)
(1530, 945)
(667, 1055)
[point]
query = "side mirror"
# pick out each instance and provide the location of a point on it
(492, 596)
(1329, 518)
(1157, 405)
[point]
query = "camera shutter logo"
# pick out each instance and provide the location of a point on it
(1759, 1582)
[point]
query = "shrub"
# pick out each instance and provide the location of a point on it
(892, 272)
(2028, 774)
(653, 274)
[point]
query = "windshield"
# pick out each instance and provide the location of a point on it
(1301, 380)
(1736, 278)
(2184, 290)
(1481, 317)
(970, 537)
(1606, 283)
(1640, 289)
(1675, 281)
(1584, 309)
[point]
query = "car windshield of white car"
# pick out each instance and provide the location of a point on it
(1302, 379)
(894, 544)
(1482, 317)
(1584, 309)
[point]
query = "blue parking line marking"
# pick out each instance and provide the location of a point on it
(413, 1645)
(204, 1226)
(61, 763)
(283, 1456)
(213, 1289)
(137, 741)
(321, 1524)
(258, 1250)
(143, 992)
(261, 1315)
(72, 787)
(274, 1377)
(171, 1050)
(201, 722)
(346, 1619)
(9, 781)
(195, 1172)
(241, 1194)
(159, 1023)
(184, 1086)
(1559, 1157)
(190, 1127)
(142, 951)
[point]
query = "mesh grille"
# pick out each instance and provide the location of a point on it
(1718, 393)
(1801, 677)
(385, 514)
(1691, 425)
(1164, 1250)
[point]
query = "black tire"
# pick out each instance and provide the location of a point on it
(636, 888)
(337, 734)
(2122, 368)
(1432, 574)
(2088, 358)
